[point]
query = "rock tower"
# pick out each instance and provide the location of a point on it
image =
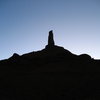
(50, 39)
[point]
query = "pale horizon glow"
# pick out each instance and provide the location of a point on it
(24, 26)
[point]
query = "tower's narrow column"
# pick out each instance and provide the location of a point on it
(50, 39)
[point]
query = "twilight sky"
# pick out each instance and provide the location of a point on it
(24, 26)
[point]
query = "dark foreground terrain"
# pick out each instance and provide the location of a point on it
(50, 74)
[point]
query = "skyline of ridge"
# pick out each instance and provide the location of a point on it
(50, 45)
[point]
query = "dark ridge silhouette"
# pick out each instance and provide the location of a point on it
(53, 73)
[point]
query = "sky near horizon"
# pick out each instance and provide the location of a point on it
(24, 26)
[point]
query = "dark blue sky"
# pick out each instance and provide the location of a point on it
(24, 25)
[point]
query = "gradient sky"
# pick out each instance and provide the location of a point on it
(24, 26)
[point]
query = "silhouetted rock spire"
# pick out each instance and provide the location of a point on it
(50, 39)
(51, 42)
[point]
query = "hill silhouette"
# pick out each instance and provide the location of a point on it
(53, 73)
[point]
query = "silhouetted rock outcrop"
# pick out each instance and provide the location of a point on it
(51, 39)
(53, 73)
(15, 55)
(85, 57)
(51, 42)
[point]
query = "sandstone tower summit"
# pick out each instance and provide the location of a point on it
(51, 47)
(51, 42)
(50, 39)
